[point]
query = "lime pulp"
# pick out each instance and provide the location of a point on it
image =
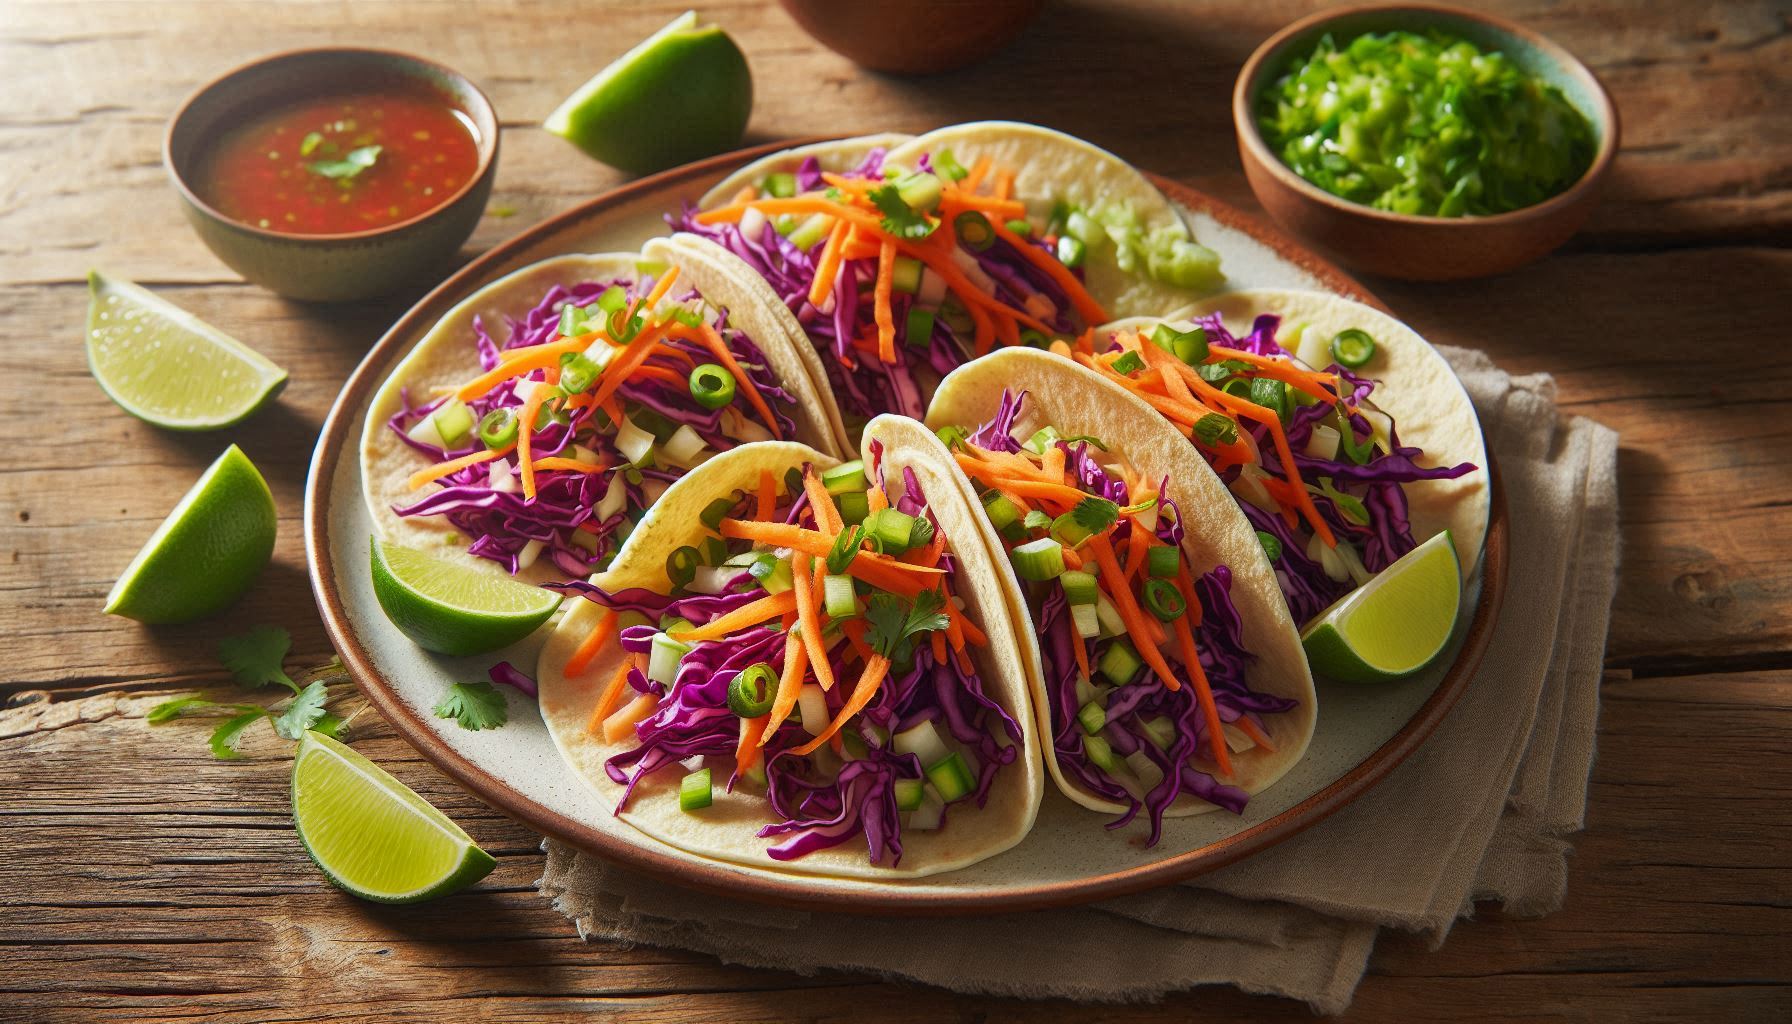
(1395, 624)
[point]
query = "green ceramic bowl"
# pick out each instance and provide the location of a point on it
(330, 268)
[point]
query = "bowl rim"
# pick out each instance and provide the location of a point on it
(1604, 116)
(478, 106)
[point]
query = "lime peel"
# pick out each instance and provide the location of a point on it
(453, 608)
(1395, 624)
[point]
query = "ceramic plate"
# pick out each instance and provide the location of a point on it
(1069, 857)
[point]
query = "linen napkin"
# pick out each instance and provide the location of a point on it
(1480, 812)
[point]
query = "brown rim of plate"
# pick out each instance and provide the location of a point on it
(1605, 118)
(725, 880)
(487, 148)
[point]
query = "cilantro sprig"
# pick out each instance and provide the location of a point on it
(474, 706)
(1095, 514)
(899, 219)
(352, 164)
(895, 623)
(256, 660)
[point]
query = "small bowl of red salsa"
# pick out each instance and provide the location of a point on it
(334, 174)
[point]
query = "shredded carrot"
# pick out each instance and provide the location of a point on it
(1313, 382)
(663, 374)
(588, 648)
(958, 200)
(750, 614)
(746, 194)
(1191, 659)
(612, 696)
(828, 267)
(821, 505)
(1137, 543)
(660, 289)
(525, 432)
(712, 340)
(442, 469)
(1128, 607)
(578, 343)
(804, 585)
(975, 177)
(1078, 647)
(875, 501)
(817, 544)
(622, 367)
(855, 635)
(790, 683)
(752, 730)
(876, 667)
(927, 554)
(540, 359)
(880, 299)
(767, 499)
(1085, 304)
(1257, 735)
(569, 465)
(1267, 417)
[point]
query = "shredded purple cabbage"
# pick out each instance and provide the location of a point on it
(486, 504)
(818, 801)
(506, 674)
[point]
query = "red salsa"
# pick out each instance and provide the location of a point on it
(340, 164)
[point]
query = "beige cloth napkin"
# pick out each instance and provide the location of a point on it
(1480, 812)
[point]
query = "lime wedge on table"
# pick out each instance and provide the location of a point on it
(162, 364)
(1396, 623)
(206, 552)
(452, 608)
(683, 93)
(371, 835)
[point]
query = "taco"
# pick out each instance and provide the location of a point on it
(1167, 675)
(1342, 434)
(534, 425)
(778, 173)
(897, 271)
(804, 664)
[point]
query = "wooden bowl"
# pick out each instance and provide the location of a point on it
(339, 267)
(1402, 245)
(904, 37)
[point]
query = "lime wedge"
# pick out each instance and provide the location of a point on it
(1396, 623)
(371, 835)
(452, 608)
(162, 364)
(206, 552)
(683, 93)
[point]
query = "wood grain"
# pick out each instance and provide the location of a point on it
(141, 880)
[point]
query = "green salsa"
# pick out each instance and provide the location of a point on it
(1428, 125)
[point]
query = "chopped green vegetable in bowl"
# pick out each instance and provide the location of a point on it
(1424, 124)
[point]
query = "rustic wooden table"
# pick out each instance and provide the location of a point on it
(140, 879)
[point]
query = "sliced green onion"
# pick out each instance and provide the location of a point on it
(1162, 562)
(1100, 753)
(1079, 586)
(624, 327)
(1271, 546)
(1272, 395)
(681, 565)
(845, 549)
(753, 691)
(1034, 338)
(712, 385)
(810, 232)
(839, 599)
(1071, 251)
(847, 476)
(1160, 730)
(1359, 452)
(775, 577)
(1119, 663)
(905, 275)
(716, 511)
(910, 793)
(614, 298)
(670, 623)
(1164, 600)
(780, 184)
(1239, 387)
(1188, 346)
(944, 163)
(952, 437)
(687, 316)
(454, 422)
(578, 372)
(974, 230)
(1069, 531)
(498, 429)
(1214, 429)
(1002, 513)
(695, 791)
(1092, 718)
(919, 190)
(1041, 559)
(1086, 621)
(898, 531)
(715, 551)
(1131, 363)
(1042, 439)
(663, 657)
(550, 413)
(572, 321)
(1019, 227)
(854, 506)
(952, 777)
(918, 328)
(1109, 616)
(784, 224)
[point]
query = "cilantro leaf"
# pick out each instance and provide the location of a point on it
(302, 712)
(354, 163)
(1037, 520)
(845, 549)
(1213, 373)
(226, 736)
(1095, 514)
(474, 706)
(254, 657)
(1213, 429)
(893, 621)
(329, 725)
(899, 220)
(169, 710)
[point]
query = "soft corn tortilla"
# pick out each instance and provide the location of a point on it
(1051, 166)
(837, 157)
(446, 359)
(726, 830)
(1075, 400)
(1414, 385)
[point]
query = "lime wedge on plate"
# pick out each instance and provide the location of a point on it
(206, 552)
(683, 93)
(162, 364)
(1393, 625)
(452, 608)
(371, 835)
